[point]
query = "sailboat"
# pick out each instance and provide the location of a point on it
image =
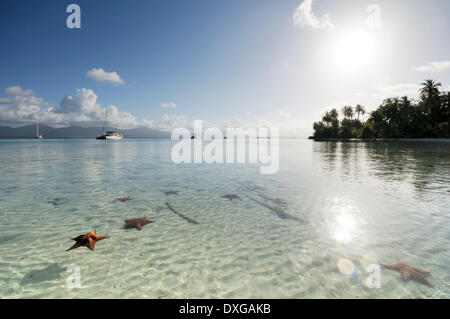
(111, 134)
(38, 136)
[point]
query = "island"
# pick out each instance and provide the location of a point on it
(396, 117)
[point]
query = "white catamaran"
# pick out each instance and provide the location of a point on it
(109, 135)
(38, 136)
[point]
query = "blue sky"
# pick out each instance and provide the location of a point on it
(246, 62)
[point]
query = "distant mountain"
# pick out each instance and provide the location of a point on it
(73, 132)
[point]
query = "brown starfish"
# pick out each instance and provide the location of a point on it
(137, 223)
(231, 196)
(123, 199)
(172, 193)
(87, 240)
(407, 272)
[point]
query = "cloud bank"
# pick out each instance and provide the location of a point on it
(23, 107)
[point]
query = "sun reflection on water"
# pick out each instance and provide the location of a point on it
(344, 225)
(344, 228)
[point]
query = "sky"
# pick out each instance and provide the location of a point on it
(233, 63)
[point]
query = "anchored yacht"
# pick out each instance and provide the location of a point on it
(109, 134)
(38, 136)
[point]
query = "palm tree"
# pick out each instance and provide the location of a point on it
(327, 118)
(430, 96)
(429, 90)
(334, 115)
(347, 111)
(359, 109)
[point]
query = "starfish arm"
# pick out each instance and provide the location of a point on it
(424, 272)
(76, 245)
(424, 281)
(91, 245)
(78, 238)
(389, 266)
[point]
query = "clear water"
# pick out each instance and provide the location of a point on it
(369, 203)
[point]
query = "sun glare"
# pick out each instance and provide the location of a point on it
(354, 50)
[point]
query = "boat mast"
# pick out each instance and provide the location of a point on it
(106, 110)
(37, 127)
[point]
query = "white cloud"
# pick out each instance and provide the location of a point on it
(372, 99)
(123, 119)
(102, 76)
(288, 127)
(83, 102)
(84, 109)
(434, 66)
(18, 91)
(169, 105)
(78, 109)
(401, 89)
(291, 127)
(283, 114)
(169, 122)
(146, 123)
(5, 100)
(304, 17)
(25, 109)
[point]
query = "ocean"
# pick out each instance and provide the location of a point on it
(318, 228)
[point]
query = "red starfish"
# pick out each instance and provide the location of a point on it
(231, 196)
(172, 193)
(137, 223)
(407, 272)
(87, 240)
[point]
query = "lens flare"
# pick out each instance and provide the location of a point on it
(346, 266)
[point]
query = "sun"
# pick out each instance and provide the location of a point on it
(354, 50)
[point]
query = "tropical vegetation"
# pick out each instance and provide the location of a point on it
(396, 117)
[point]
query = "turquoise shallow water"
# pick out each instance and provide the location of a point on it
(366, 202)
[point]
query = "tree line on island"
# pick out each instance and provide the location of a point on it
(396, 117)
